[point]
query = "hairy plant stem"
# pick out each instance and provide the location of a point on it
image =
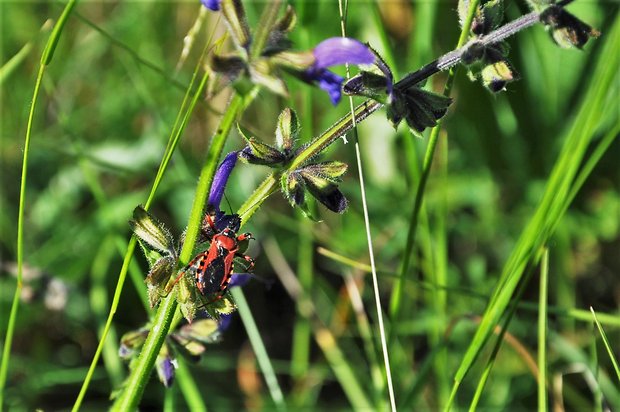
(136, 382)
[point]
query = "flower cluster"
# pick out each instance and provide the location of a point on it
(318, 179)
(265, 67)
(487, 63)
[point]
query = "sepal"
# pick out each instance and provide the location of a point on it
(229, 65)
(259, 153)
(158, 278)
(234, 14)
(151, 231)
(287, 130)
(567, 30)
(419, 108)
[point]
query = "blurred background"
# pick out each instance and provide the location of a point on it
(107, 106)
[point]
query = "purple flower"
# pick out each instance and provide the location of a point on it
(221, 178)
(331, 52)
(213, 5)
(341, 50)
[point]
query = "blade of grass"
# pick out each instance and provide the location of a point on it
(542, 332)
(593, 363)
(46, 58)
(302, 332)
(577, 314)
(323, 336)
(502, 333)
(259, 348)
(365, 330)
(14, 62)
(610, 351)
(554, 202)
(187, 385)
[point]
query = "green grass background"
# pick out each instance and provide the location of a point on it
(108, 101)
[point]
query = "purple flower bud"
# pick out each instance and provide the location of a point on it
(213, 5)
(220, 179)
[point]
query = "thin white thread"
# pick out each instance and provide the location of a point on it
(375, 283)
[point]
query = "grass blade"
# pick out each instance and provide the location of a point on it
(610, 351)
(542, 333)
(45, 59)
(259, 348)
(554, 202)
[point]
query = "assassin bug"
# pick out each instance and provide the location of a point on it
(213, 268)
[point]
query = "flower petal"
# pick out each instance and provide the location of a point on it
(239, 279)
(328, 81)
(213, 5)
(342, 50)
(220, 179)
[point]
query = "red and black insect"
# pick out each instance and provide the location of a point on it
(213, 268)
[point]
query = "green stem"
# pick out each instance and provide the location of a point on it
(397, 294)
(46, 58)
(181, 122)
(268, 18)
(135, 384)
